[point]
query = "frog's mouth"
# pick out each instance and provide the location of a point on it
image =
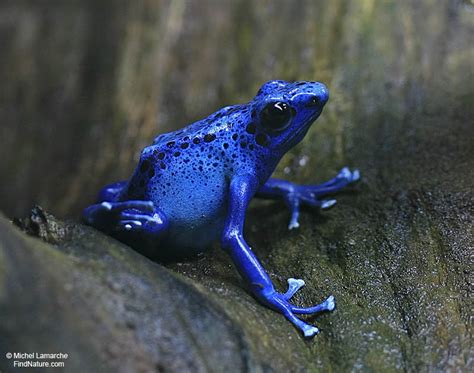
(299, 133)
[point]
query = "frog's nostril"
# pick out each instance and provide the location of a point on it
(313, 101)
(319, 96)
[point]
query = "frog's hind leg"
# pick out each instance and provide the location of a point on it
(111, 192)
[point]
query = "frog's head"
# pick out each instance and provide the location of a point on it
(284, 111)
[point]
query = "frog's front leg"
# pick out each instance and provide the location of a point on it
(242, 189)
(294, 194)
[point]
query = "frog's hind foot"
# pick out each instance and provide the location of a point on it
(148, 223)
(128, 217)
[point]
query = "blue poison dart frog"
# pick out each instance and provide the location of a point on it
(194, 185)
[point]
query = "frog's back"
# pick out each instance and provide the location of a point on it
(186, 173)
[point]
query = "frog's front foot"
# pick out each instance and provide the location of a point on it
(280, 302)
(309, 194)
(293, 286)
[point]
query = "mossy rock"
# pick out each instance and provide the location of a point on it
(402, 304)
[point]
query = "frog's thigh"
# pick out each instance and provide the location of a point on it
(110, 192)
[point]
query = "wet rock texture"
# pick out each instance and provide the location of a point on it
(396, 251)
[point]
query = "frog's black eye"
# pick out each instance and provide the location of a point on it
(276, 116)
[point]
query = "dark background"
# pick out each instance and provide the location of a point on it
(84, 85)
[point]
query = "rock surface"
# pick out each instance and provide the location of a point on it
(107, 307)
(396, 250)
(402, 290)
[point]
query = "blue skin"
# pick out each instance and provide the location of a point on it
(194, 185)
